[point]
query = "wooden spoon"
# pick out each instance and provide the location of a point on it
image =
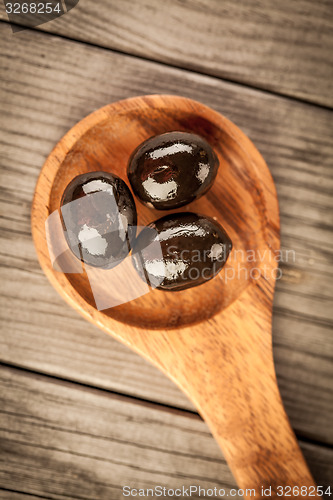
(214, 340)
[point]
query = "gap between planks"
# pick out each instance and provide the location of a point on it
(182, 68)
(65, 440)
(132, 399)
(283, 47)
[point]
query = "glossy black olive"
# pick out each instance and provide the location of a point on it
(180, 251)
(171, 170)
(99, 218)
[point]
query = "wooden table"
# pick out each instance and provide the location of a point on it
(81, 415)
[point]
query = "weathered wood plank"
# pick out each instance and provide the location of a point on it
(60, 440)
(50, 83)
(283, 46)
(58, 342)
(15, 495)
(65, 440)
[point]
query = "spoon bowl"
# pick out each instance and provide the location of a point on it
(107, 145)
(213, 340)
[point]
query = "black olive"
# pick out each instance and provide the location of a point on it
(99, 218)
(171, 170)
(180, 251)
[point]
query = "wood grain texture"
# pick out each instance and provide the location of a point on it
(50, 423)
(282, 46)
(50, 449)
(299, 157)
(8, 494)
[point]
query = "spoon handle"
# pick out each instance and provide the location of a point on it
(228, 372)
